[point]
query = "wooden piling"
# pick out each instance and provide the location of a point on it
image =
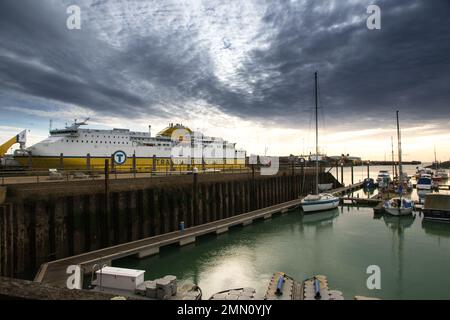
(54, 225)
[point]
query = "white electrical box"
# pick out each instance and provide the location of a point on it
(119, 278)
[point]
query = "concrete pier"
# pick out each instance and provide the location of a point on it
(55, 272)
(186, 241)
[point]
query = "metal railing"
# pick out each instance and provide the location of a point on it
(9, 177)
(98, 173)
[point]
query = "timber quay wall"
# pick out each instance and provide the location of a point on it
(45, 222)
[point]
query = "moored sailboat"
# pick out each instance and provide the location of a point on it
(439, 174)
(318, 201)
(399, 206)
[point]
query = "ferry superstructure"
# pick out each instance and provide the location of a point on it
(175, 147)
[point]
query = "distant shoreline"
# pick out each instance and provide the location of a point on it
(442, 165)
(390, 163)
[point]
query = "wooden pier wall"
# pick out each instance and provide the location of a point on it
(41, 224)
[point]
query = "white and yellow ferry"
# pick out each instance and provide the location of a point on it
(174, 148)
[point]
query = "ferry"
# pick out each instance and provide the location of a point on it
(176, 147)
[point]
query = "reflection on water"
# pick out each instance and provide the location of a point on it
(320, 218)
(422, 193)
(438, 229)
(398, 225)
(340, 243)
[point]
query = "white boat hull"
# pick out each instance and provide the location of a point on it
(399, 211)
(320, 205)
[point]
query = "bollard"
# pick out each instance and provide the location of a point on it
(317, 295)
(280, 283)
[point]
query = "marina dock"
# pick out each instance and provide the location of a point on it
(51, 221)
(346, 189)
(283, 287)
(360, 201)
(55, 272)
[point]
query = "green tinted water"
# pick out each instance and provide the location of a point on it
(414, 256)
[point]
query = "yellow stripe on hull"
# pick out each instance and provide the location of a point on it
(142, 164)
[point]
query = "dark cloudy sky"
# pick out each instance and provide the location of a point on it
(239, 69)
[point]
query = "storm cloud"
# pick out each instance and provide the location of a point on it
(250, 59)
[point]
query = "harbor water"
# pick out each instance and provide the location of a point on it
(413, 255)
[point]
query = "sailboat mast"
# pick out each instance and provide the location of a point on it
(317, 136)
(393, 161)
(435, 158)
(400, 169)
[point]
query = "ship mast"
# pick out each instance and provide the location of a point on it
(317, 137)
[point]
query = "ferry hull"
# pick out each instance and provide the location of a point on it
(142, 164)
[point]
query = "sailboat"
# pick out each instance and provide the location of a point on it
(399, 206)
(439, 174)
(318, 201)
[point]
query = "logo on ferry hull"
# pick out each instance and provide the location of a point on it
(120, 157)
